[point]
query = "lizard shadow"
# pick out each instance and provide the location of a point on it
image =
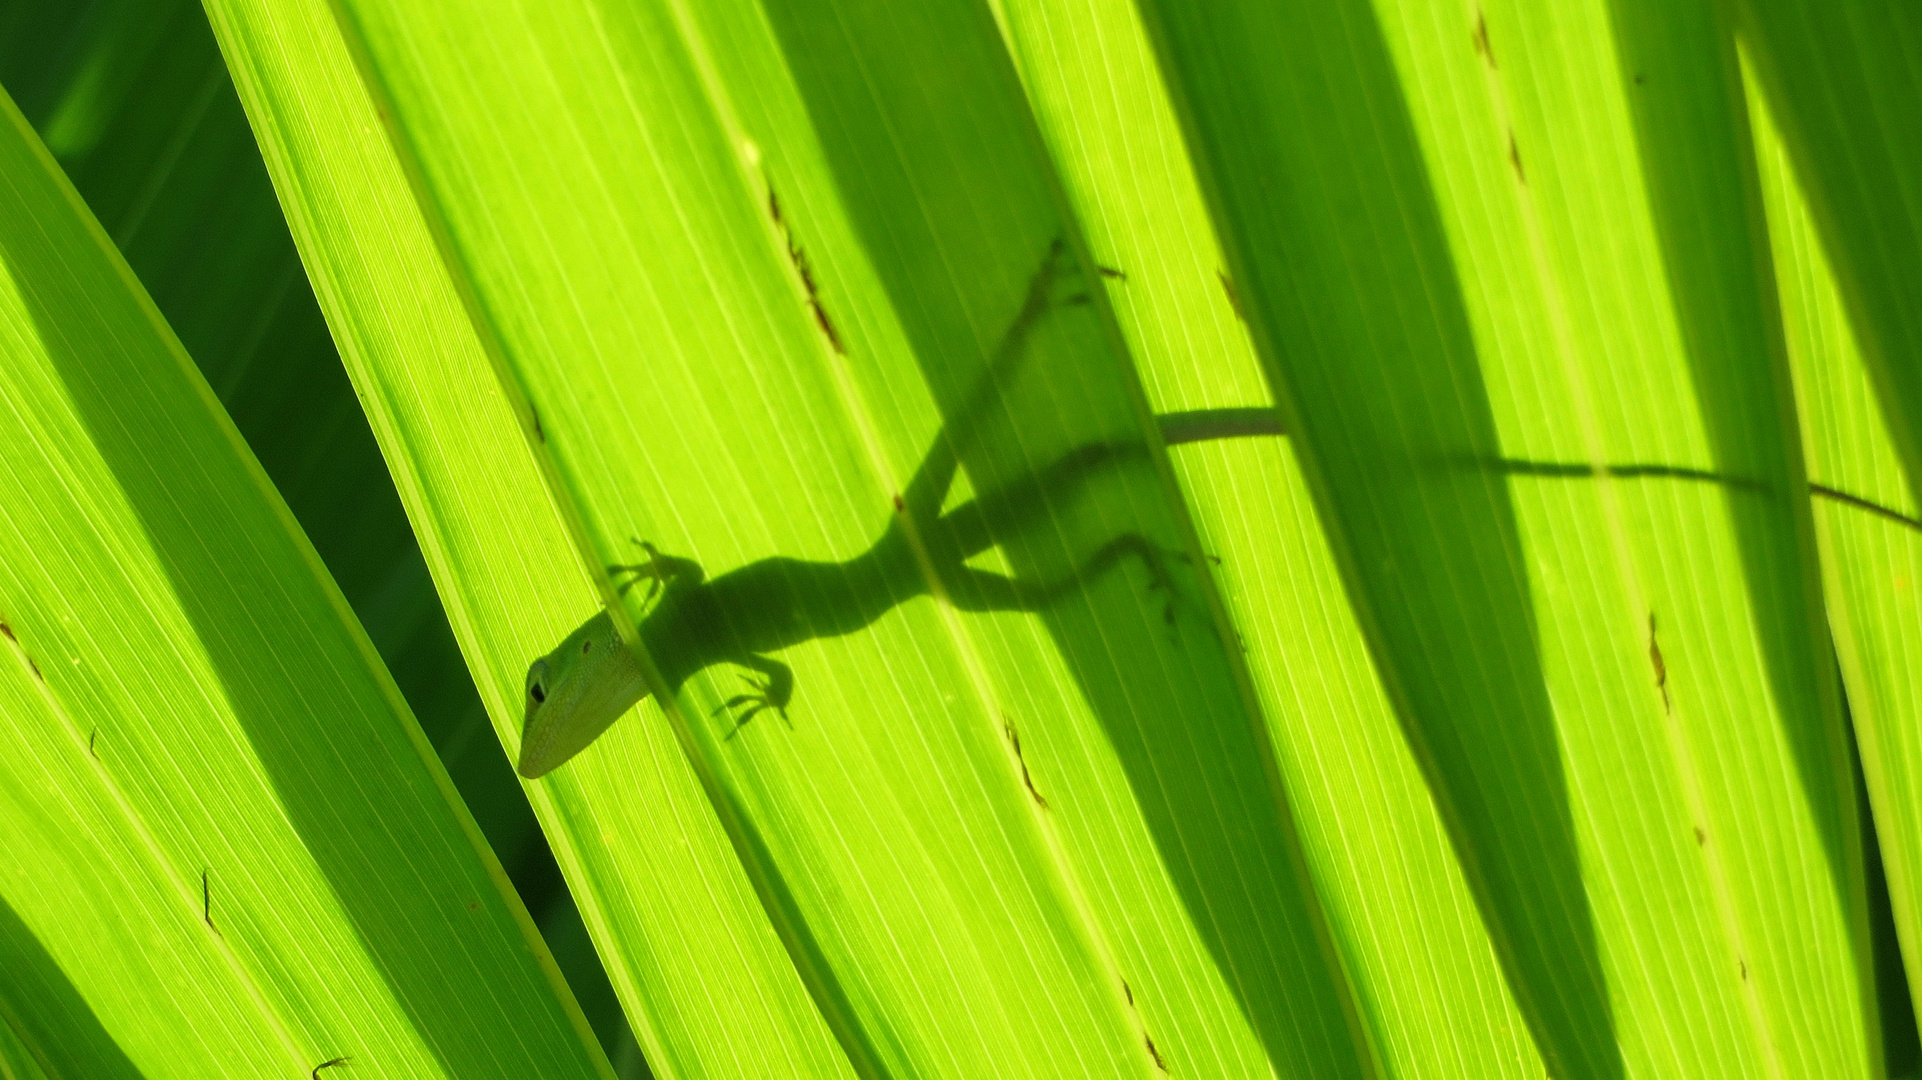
(1232, 857)
(776, 603)
(1203, 792)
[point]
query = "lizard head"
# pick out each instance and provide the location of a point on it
(574, 693)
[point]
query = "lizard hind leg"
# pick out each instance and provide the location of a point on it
(772, 692)
(983, 590)
(928, 489)
(1029, 503)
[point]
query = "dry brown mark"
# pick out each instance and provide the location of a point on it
(207, 904)
(1234, 300)
(1015, 741)
(798, 256)
(1655, 661)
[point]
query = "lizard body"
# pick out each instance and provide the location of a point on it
(591, 678)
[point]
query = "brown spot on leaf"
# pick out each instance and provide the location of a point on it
(1228, 286)
(827, 326)
(207, 904)
(1015, 740)
(1655, 661)
(1154, 1053)
(798, 256)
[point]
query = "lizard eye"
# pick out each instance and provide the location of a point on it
(587, 646)
(536, 677)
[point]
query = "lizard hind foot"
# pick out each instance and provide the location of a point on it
(771, 693)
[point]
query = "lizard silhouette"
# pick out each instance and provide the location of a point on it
(575, 692)
(591, 678)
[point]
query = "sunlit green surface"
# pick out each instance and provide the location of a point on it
(1492, 709)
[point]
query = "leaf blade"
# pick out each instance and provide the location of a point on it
(210, 714)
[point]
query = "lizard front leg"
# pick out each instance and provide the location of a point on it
(659, 571)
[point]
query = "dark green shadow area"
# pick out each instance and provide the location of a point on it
(1326, 210)
(57, 1025)
(1682, 78)
(1901, 1042)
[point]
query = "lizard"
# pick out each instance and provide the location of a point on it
(591, 678)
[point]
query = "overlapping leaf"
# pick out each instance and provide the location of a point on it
(228, 848)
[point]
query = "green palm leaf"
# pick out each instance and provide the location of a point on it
(1473, 708)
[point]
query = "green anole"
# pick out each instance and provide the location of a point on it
(591, 678)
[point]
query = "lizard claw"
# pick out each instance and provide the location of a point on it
(766, 696)
(653, 571)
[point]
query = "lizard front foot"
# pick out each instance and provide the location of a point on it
(659, 571)
(654, 571)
